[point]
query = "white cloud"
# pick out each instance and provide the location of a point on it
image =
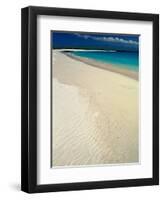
(107, 39)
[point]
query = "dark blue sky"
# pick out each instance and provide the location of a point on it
(72, 40)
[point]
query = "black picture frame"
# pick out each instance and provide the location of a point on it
(29, 99)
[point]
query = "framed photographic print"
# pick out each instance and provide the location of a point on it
(90, 99)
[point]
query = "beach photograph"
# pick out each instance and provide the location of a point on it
(95, 99)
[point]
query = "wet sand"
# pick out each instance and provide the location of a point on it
(95, 114)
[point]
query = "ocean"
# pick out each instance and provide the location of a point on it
(129, 60)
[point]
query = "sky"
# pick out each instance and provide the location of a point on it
(75, 40)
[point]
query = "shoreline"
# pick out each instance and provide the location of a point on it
(113, 68)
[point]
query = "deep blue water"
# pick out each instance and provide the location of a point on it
(108, 41)
(129, 60)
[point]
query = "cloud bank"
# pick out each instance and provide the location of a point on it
(108, 39)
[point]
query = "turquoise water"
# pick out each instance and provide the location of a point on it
(129, 60)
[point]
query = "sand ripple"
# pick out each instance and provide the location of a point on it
(95, 115)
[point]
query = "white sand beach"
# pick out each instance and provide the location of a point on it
(94, 114)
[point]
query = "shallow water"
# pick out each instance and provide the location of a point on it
(129, 60)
